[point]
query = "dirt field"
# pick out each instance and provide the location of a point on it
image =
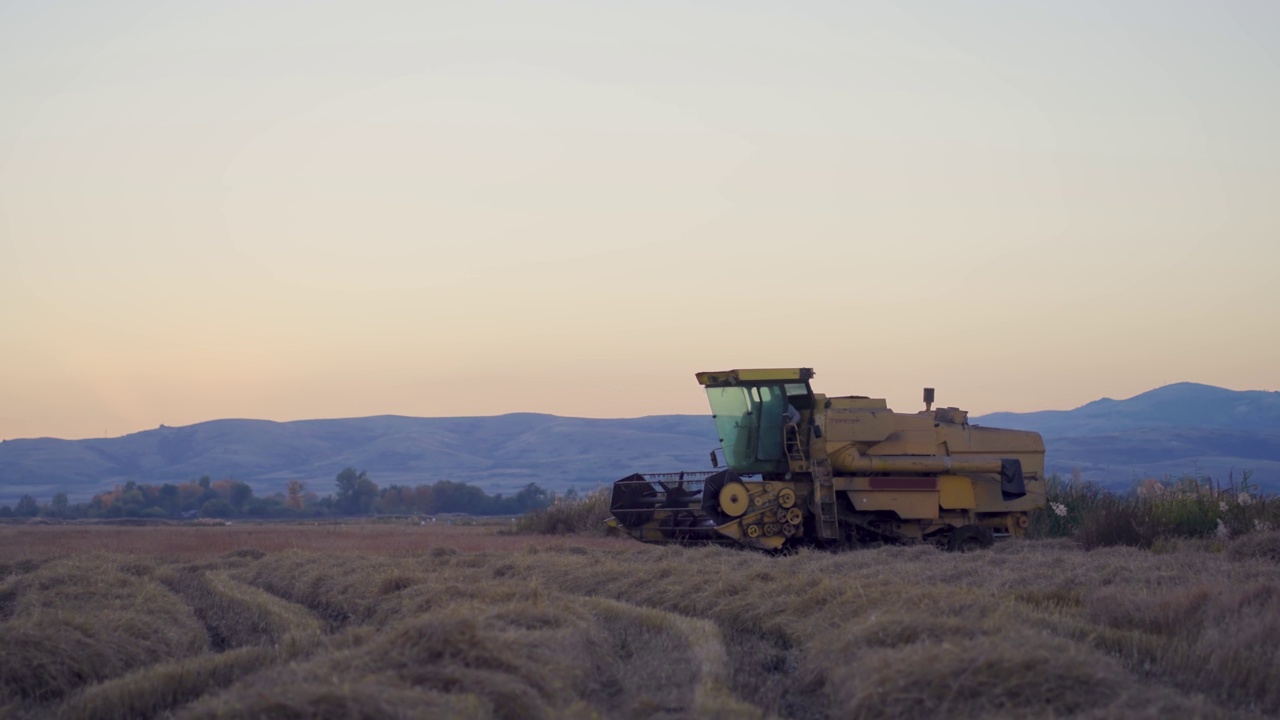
(369, 621)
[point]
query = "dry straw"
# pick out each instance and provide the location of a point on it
(561, 629)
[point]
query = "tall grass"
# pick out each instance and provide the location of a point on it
(1154, 512)
(584, 515)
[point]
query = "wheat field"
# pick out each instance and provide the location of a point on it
(364, 621)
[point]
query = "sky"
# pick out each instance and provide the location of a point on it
(287, 210)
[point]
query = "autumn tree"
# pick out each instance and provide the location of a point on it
(295, 489)
(234, 492)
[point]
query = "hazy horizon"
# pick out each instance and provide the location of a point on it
(296, 211)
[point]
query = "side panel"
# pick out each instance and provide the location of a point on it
(908, 505)
(912, 498)
(955, 492)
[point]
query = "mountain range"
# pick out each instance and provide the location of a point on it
(499, 454)
(1180, 429)
(1175, 430)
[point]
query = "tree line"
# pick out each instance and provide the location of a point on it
(355, 494)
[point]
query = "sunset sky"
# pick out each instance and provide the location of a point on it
(309, 210)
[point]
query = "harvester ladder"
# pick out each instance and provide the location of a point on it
(791, 442)
(825, 499)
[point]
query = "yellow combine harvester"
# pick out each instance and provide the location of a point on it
(805, 468)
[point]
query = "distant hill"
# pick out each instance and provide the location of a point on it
(1170, 431)
(499, 454)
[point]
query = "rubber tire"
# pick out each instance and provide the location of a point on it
(970, 538)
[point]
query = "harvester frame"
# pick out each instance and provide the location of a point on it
(805, 468)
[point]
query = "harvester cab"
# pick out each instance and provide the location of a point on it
(759, 415)
(801, 467)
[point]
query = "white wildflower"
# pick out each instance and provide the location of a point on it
(1058, 509)
(1150, 488)
(1261, 525)
(1244, 498)
(1222, 505)
(1222, 532)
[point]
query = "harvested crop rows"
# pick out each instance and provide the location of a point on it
(536, 628)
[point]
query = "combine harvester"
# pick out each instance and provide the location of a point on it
(806, 469)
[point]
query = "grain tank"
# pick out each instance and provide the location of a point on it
(805, 468)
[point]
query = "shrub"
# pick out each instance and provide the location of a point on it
(1186, 515)
(1188, 507)
(581, 515)
(1119, 520)
(1069, 504)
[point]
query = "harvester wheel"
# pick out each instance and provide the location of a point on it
(794, 516)
(771, 529)
(734, 499)
(786, 497)
(968, 538)
(788, 530)
(753, 531)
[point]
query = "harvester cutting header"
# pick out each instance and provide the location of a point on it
(805, 468)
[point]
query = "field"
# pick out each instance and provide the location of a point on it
(384, 621)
